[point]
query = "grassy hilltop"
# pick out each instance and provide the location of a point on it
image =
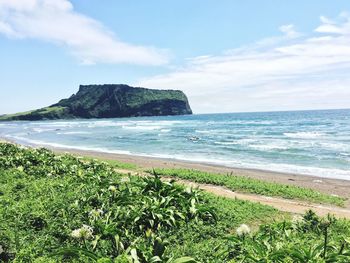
(111, 101)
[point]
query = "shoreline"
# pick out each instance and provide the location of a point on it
(327, 185)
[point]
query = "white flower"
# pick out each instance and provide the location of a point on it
(85, 232)
(125, 180)
(1, 249)
(188, 190)
(96, 213)
(112, 188)
(75, 204)
(243, 230)
(297, 219)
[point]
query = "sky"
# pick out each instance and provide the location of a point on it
(227, 56)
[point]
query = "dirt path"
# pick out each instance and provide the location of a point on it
(285, 205)
(324, 185)
(281, 204)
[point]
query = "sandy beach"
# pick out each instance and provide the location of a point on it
(325, 185)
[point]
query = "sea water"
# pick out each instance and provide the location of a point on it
(303, 142)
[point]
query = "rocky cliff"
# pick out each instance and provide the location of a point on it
(111, 101)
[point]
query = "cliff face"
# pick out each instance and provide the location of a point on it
(111, 101)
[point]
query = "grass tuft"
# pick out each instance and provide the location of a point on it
(250, 185)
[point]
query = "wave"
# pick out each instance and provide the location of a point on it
(260, 147)
(131, 123)
(143, 128)
(204, 131)
(244, 142)
(305, 170)
(268, 147)
(335, 146)
(304, 135)
(273, 167)
(234, 163)
(74, 132)
(58, 124)
(226, 143)
(65, 146)
(40, 130)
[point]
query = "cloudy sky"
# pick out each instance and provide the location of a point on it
(227, 56)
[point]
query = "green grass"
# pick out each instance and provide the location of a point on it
(249, 185)
(9, 116)
(44, 112)
(52, 109)
(114, 163)
(45, 197)
(122, 165)
(60, 208)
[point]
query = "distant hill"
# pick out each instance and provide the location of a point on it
(111, 101)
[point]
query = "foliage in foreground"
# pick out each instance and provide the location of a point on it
(114, 163)
(66, 209)
(86, 210)
(305, 239)
(250, 185)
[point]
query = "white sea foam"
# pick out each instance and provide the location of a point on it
(304, 135)
(132, 124)
(335, 146)
(259, 122)
(306, 170)
(40, 130)
(203, 131)
(59, 124)
(74, 132)
(97, 124)
(226, 143)
(219, 135)
(247, 141)
(143, 128)
(64, 146)
(238, 163)
(274, 167)
(268, 147)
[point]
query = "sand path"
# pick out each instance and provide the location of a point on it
(281, 204)
(324, 185)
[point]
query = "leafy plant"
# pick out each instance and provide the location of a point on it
(61, 208)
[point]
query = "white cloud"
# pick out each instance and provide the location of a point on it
(333, 27)
(56, 21)
(289, 31)
(293, 71)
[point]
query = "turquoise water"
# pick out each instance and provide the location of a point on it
(305, 142)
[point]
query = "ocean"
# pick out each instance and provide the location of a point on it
(304, 142)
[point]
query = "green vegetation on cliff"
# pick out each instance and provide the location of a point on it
(111, 101)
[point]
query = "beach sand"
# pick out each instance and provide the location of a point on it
(326, 185)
